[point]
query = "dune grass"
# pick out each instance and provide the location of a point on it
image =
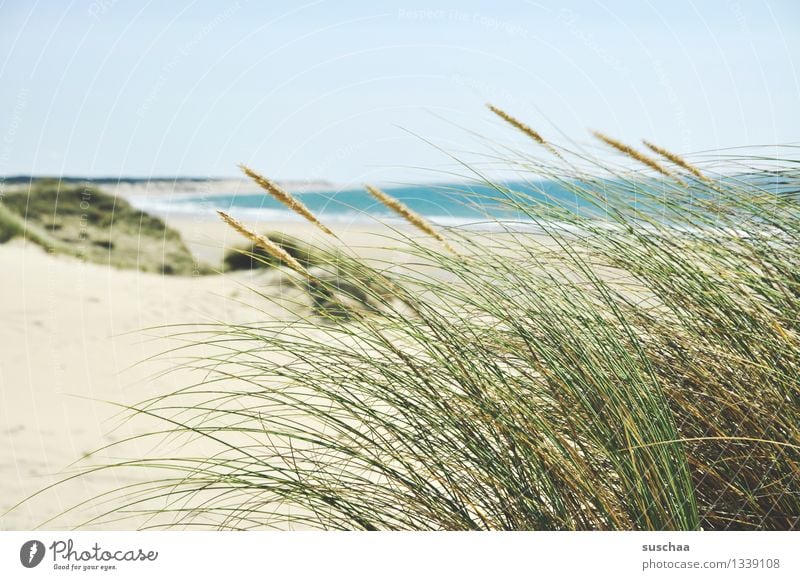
(635, 372)
(11, 225)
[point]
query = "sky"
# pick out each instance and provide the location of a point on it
(379, 91)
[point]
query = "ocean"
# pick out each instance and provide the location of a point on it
(477, 206)
(443, 204)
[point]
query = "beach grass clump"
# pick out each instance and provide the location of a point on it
(633, 371)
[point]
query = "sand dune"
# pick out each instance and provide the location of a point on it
(77, 336)
(71, 335)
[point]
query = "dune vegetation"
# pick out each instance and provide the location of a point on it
(83, 221)
(633, 367)
(10, 225)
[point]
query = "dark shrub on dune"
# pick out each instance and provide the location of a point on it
(253, 257)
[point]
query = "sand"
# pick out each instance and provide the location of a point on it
(73, 339)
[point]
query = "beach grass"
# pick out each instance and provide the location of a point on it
(636, 369)
(11, 225)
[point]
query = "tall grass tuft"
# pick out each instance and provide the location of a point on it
(633, 370)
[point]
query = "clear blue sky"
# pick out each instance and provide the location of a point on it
(345, 90)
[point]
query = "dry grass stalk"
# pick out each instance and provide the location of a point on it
(518, 124)
(530, 132)
(410, 216)
(266, 244)
(638, 156)
(679, 161)
(285, 198)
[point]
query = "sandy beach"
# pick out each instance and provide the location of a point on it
(77, 337)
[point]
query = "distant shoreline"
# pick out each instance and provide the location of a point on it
(129, 186)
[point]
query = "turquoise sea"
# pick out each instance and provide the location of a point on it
(444, 204)
(475, 205)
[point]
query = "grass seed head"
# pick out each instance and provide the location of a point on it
(638, 156)
(265, 243)
(408, 214)
(677, 160)
(285, 198)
